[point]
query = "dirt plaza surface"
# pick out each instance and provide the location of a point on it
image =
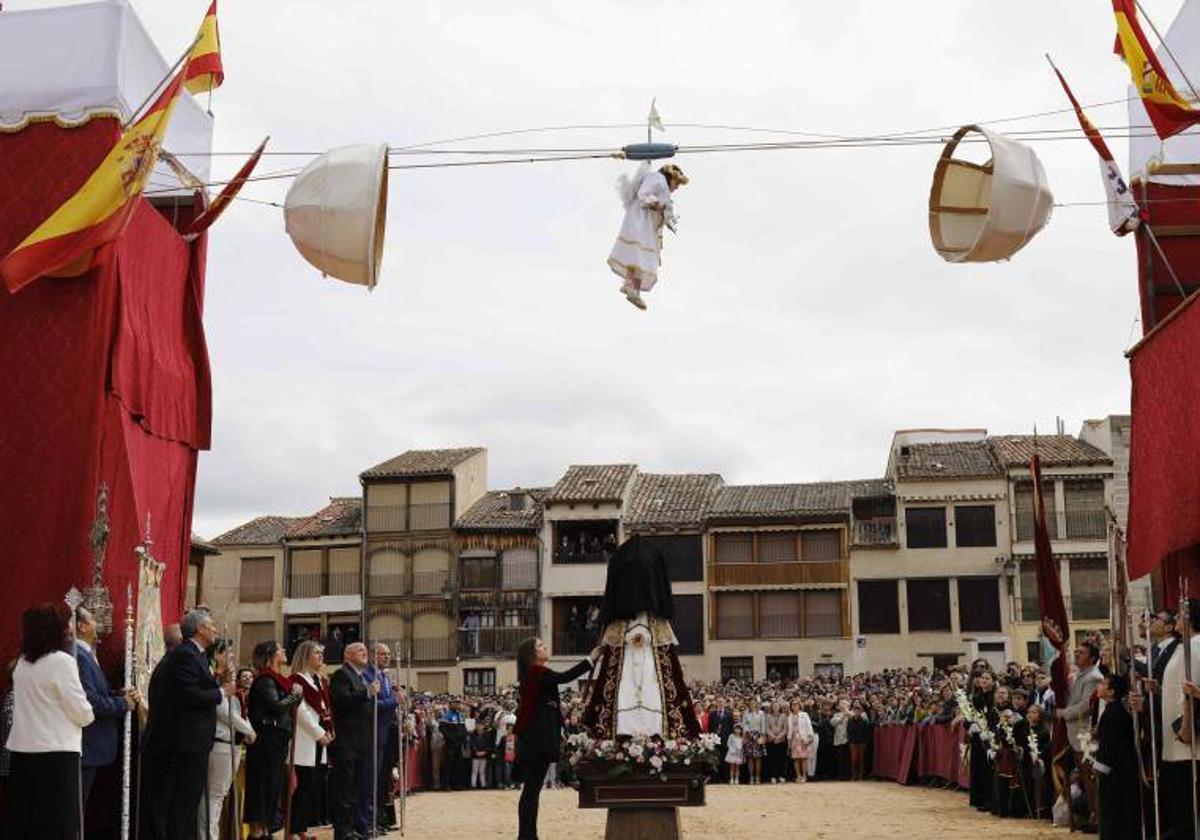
(821, 810)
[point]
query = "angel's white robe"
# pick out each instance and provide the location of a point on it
(637, 252)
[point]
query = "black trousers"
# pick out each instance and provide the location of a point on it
(533, 776)
(343, 791)
(187, 780)
(1175, 783)
(841, 756)
(306, 799)
(44, 797)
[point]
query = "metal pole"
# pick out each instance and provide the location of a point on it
(73, 599)
(126, 749)
(233, 745)
(1153, 726)
(374, 749)
(1188, 716)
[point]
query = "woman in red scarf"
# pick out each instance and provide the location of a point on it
(272, 697)
(539, 724)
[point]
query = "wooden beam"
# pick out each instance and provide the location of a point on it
(1167, 231)
(1175, 169)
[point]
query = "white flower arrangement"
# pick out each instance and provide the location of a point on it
(1087, 747)
(650, 754)
(1034, 748)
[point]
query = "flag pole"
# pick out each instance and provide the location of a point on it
(1167, 47)
(126, 746)
(1189, 720)
(1153, 725)
(1154, 241)
(157, 87)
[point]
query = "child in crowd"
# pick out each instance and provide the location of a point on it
(733, 754)
(482, 740)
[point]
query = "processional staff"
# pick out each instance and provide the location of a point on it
(126, 747)
(1188, 718)
(1153, 726)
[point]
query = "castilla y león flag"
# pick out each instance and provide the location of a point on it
(1123, 213)
(98, 212)
(1169, 112)
(205, 71)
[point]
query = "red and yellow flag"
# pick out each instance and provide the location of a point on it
(98, 212)
(1169, 112)
(205, 71)
(204, 221)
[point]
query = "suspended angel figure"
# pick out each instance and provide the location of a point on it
(637, 252)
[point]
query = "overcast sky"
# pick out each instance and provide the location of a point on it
(801, 316)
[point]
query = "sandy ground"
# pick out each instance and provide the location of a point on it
(824, 810)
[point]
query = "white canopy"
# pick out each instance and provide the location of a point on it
(70, 63)
(1183, 40)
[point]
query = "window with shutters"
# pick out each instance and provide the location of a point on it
(878, 606)
(344, 575)
(779, 615)
(925, 527)
(739, 668)
(253, 633)
(257, 582)
(822, 613)
(820, 545)
(974, 525)
(979, 604)
(689, 623)
(928, 605)
(479, 681)
(1024, 509)
(519, 569)
(304, 573)
(1085, 515)
(735, 615)
(1089, 588)
(734, 548)
(775, 547)
(1029, 591)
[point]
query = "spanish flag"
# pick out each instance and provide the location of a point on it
(206, 72)
(98, 212)
(204, 221)
(1169, 112)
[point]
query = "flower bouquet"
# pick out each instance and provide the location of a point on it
(641, 755)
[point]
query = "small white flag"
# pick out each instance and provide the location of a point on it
(653, 119)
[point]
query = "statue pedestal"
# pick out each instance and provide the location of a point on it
(641, 807)
(643, 824)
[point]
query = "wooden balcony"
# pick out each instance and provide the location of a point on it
(778, 574)
(403, 518)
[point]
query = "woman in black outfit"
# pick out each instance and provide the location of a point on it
(1117, 766)
(539, 724)
(982, 771)
(272, 698)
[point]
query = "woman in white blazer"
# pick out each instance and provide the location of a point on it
(314, 731)
(800, 740)
(226, 753)
(50, 710)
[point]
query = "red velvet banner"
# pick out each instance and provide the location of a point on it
(1164, 458)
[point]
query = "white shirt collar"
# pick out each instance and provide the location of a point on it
(84, 645)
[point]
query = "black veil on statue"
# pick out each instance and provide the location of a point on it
(637, 582)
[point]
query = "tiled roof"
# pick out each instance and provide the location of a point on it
(868, 488)
(202, 545)
(677, 500)
(262, 530)
(1055, 451)
(493, 512)
(592, 483)
(419, 462)
(963, 459)
(783, 500)
(343, 515)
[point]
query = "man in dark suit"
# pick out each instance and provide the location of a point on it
(352, 697)
(101, 737)
(184, 697)
(720, 723)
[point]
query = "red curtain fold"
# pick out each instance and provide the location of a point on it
(105, 377)
(1164, 458)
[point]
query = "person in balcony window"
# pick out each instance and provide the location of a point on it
(471, 625)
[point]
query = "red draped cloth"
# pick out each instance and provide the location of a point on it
(905, 753)
(1164, 459)
(103, 377)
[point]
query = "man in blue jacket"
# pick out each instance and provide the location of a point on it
(102, 737)
(386, 738)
